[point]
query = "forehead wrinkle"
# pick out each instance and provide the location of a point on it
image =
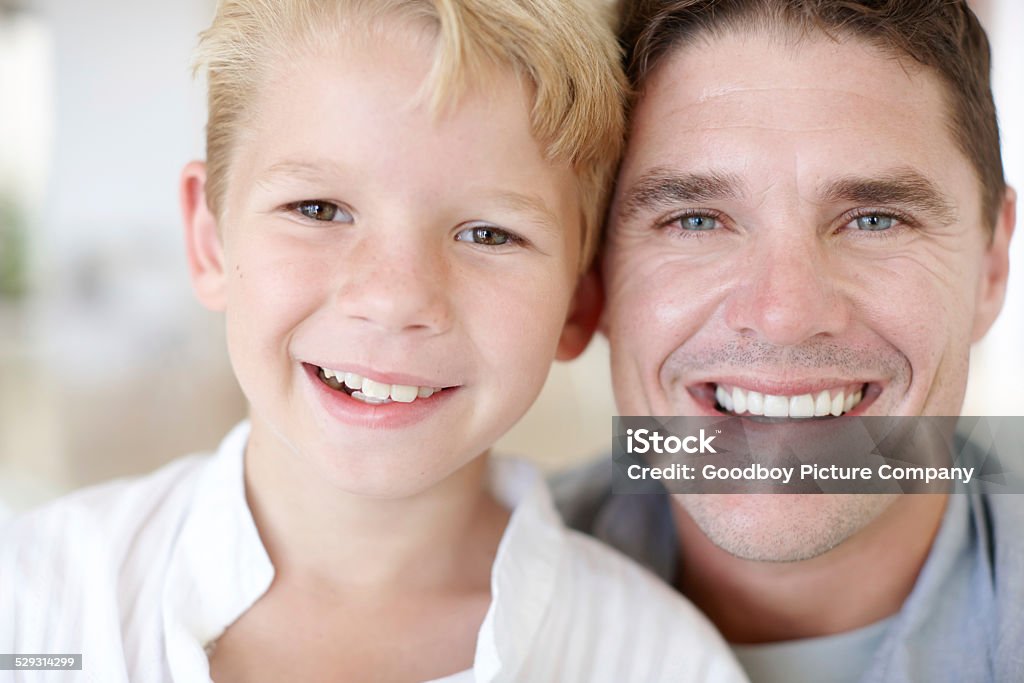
(903, 186)
(661, 187)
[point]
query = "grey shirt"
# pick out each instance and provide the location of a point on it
(963, 621)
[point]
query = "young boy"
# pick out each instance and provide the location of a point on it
(398, 203)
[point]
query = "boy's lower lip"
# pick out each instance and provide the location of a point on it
(356, 413)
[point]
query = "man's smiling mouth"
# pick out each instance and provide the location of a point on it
(831, 402)
(372, 392)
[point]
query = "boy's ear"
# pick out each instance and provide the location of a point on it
(584, 314)
(203, 245)
(996, 269)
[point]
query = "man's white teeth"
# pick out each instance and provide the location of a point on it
(833, 402)
(822, 404)
(376, 393)
(776, 406)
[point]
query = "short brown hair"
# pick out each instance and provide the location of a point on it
(565, 50)
(943, 35)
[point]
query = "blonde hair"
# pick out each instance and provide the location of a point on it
(564, 48)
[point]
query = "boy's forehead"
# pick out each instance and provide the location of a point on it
(351, 118)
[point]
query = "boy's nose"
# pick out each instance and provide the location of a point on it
(788, 294)
(398, 288)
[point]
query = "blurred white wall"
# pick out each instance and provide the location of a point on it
(997, 364)
(112, 368)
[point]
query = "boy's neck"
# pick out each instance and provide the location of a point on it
(765, 602)
(443, 538)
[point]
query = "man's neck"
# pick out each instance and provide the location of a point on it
(861, 581)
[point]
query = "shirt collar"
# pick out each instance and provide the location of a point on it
(219, 568)
(524, 573)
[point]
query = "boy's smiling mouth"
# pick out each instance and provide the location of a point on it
(371, 391)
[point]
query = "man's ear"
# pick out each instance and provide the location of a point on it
(584, 314)
(203, 245)
(996, 269)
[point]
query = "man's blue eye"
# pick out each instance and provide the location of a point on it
(874, 222)
(319, 210)
(698, 223)
(491, 237)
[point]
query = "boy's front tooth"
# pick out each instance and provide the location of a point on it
(375, 389)
(353, 381)
(403, 393)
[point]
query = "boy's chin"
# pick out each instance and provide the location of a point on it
(391, 474)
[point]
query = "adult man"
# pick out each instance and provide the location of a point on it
(812, 201)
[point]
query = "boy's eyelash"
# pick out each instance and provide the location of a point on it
(295, 208)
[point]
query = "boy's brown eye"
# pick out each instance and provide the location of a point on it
(491, 237)
(319, 210)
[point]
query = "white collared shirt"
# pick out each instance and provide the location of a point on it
(140, 575)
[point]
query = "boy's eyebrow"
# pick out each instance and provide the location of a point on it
(902, 186)
(661, 187)
(302, 170)
(531, 205)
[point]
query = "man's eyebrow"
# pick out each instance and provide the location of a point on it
(902, 187)
(661, 187)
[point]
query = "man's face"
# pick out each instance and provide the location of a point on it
(794, 233)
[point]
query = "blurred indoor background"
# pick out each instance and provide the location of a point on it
(108, 366)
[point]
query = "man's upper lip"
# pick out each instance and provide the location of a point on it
(387, 377)
(787, 387)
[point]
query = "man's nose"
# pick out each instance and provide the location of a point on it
(398, 284)
(789, 293)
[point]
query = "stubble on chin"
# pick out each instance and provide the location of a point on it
(780, 527)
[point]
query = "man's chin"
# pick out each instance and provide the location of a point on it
(779, 527)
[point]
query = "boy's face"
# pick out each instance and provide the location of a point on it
(364, 234)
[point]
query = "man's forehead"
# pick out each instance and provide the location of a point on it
(751, 106)
(740, 78)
